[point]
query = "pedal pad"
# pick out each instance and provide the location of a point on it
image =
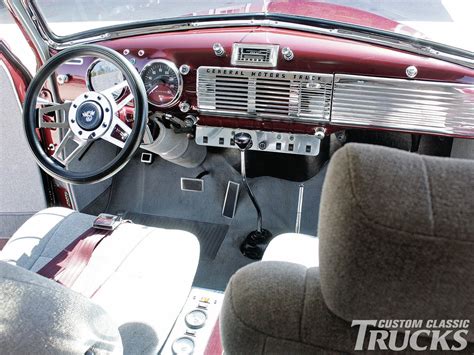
(146, 158)
(190, 184)
(230, 200)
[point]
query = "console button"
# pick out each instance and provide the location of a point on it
(183, 346)
(196, 319)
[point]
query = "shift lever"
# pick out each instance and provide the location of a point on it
(256, 242)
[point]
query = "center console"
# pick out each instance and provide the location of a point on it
(194, 326)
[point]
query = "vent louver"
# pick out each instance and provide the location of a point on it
(255, 93)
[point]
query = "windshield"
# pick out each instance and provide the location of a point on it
(444, 21)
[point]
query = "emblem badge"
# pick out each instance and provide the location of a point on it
(88, 115)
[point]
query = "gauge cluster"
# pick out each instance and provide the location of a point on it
(162, 79)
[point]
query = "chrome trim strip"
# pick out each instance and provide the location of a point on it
(409, 105)
(259, 93)
(265, 141)
(75, 61)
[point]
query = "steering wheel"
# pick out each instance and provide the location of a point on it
(91, 116)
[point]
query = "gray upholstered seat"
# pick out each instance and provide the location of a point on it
(137, 281)
(396, 241)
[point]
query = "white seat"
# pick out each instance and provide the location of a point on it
(295, 248)
(141, 276)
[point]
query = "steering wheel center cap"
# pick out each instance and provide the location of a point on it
(89, 115)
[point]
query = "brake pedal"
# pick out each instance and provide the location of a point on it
(230, 200)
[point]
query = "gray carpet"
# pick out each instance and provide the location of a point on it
(154, 190)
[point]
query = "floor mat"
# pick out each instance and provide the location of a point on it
(210, 235)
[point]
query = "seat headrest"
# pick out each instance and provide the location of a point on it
(397, 235)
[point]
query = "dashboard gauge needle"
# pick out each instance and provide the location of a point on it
(153, 89)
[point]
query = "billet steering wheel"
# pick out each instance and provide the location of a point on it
(91, 116)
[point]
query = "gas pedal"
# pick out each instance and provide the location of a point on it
(230, 200)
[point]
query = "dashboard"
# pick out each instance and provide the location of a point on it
(288, 89)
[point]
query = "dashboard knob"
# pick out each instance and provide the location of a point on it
(218, 49)
(62, 79)
(411, 71)
(287, 53)
(243, 140)
(184, 106)
(184, 69)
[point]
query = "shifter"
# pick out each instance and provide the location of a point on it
(256, 242)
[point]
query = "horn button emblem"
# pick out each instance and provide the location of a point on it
(89, 116)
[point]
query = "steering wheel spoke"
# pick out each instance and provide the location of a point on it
(109, 92)
(61, 154)
(123, 102)
(118, 132)
(60, 116)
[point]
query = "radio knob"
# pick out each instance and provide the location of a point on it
(218, 49)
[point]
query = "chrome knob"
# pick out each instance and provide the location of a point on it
(184, 106)
(184, 69)
(218, 49)
(243, 140)
(320, 133)
(287, 53)
(62, 79)
(411, 71)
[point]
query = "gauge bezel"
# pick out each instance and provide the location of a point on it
(192, 326)
(89, 85)
(173, 67)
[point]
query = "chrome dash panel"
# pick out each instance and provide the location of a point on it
(412, 105)
(264, 141)
(257, 93)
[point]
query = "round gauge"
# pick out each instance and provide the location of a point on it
(102, 75)
(195, 319)
(163, 82)
(183, 345)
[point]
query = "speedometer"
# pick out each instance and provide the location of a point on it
(163, 82)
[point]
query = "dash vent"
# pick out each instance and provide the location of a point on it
(263, 93)
(254, 55)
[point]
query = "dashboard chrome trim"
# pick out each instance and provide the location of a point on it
(262, 93)
(178, 75)
(263, 141)
(402, 104)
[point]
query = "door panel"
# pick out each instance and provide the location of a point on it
(22, 190)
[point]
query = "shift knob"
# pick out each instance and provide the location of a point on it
(243, 140)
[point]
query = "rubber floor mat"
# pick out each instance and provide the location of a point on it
(210, 235)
